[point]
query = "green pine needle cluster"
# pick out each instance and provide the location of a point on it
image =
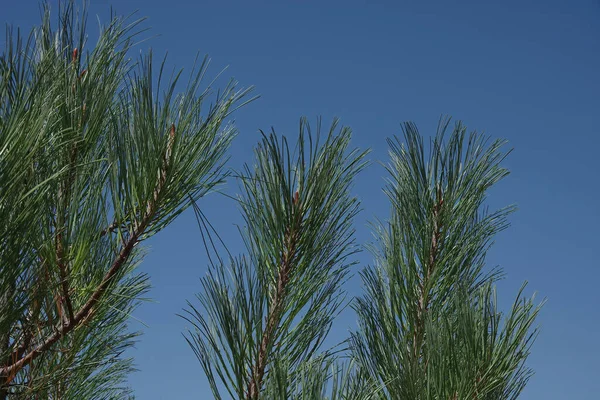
(429, 323)
(263, 316)
(94, 159)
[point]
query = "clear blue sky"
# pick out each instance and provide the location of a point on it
(527, 71)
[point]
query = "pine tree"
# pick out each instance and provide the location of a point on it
(95, 158)
(261, 320)
(429, 324)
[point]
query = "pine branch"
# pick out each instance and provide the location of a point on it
(424, 283)
(265, 316)
(428, 324)
(89, 141)
(64, 279)
(277, 304)
(84, 313)
(11, 369)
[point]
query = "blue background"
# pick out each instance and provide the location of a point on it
(523, 70)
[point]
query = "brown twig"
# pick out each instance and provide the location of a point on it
(277, 303)
(423, 303)
(65, 299)
(64, 195)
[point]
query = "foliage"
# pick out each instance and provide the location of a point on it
(429, 323)
(95, 157)
(98, 153)
(263, 316)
